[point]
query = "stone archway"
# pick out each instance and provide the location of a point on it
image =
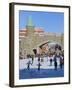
(46, 45)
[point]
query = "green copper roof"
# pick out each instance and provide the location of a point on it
(29, 22)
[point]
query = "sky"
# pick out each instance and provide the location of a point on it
(48, 21)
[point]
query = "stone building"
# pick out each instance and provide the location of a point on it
(32, 38)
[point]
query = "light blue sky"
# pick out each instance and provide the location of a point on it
(49, 21)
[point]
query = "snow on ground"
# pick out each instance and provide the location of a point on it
(44, 65)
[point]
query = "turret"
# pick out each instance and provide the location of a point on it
(30, 25)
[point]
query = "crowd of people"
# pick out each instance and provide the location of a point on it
(52, 58)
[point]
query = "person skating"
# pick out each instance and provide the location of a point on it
(55, 63)
(61, 62)
(32, 58)
(39, 66)
(28, 65)
(51, 62)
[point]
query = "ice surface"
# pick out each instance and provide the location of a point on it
(44, 65)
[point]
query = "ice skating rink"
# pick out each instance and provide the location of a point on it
(44, 65)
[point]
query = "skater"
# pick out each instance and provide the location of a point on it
(55, 63)
(39, 66)
(28, 65)
(50, 61)
(32, 58)
(61, 62)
